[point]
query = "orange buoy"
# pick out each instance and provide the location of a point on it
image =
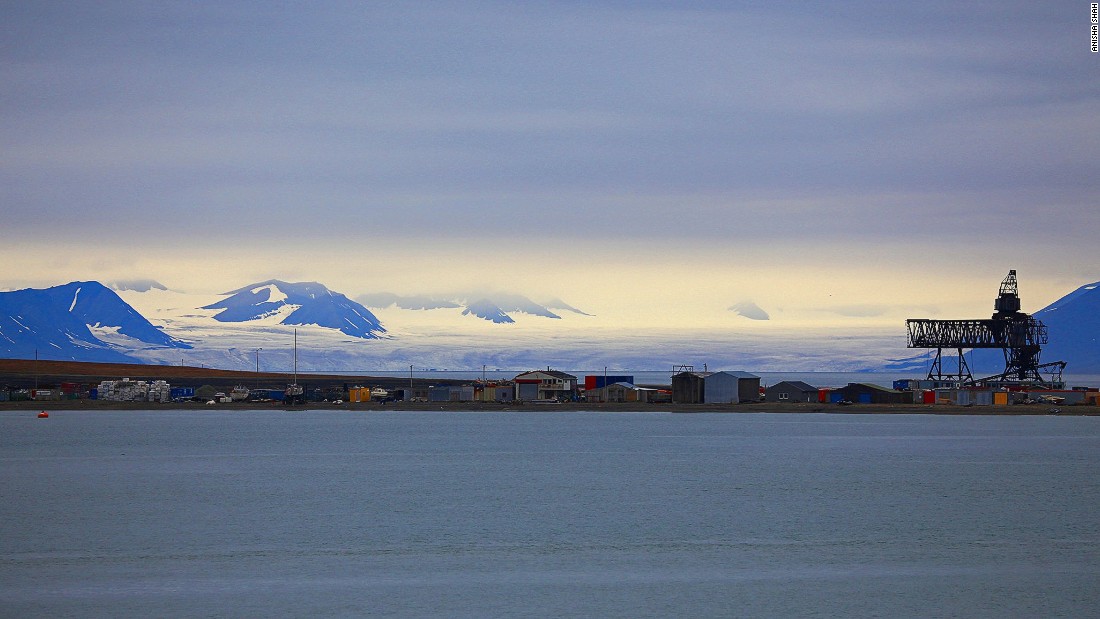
(43, 415)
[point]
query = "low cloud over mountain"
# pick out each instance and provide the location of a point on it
(749, 310)
(494, 307)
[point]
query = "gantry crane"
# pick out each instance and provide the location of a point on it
(1018, 334)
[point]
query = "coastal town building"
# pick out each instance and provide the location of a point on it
(629, 392)
(545, 385)
(504, 391)
(866, 393)
(791, 391)
(691, 387)
(451, 393)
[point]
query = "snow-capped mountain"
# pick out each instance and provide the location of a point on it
(303, 303)
(486, 309)
(1073, 329)
(257, 327)
(496, 308)
(84, 321)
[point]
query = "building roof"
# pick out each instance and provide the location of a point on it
(632, 387)
(870, 387)
(554, 373)
(738, 374)
(696, 374)
(732, 373)
(797, 384)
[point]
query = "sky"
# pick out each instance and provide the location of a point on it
(833, 163)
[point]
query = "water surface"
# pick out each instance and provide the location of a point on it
(336, 513)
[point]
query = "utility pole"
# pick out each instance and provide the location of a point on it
(258, 362)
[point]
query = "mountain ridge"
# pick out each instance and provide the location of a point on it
(81, 321)
(72, 320)
(304, 303)
(492, 307)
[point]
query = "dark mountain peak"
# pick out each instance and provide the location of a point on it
(58, 321)
(558, 304)
(1083, 299)
(509, 302)
(310, 303)
(1073, 329)
(487, 310)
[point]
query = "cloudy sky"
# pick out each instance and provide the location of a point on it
(840, 161)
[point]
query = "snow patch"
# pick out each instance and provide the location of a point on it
(76, 296)
(274, 295)
(275, 316)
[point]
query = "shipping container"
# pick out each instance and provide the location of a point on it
(599, 381)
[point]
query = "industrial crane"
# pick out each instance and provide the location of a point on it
(1018, 334)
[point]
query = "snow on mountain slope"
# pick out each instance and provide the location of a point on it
(309, 303)
(1073, 328)
(440, 338)
(497, 308)
(446, 336)
(240, 345)
(66, 322)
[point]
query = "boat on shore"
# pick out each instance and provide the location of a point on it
(294, 394)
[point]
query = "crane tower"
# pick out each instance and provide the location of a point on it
(1018, 334)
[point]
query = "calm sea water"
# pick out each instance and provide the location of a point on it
(555, 514)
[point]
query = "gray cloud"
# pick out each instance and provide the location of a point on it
(749, 310)
(696, 121)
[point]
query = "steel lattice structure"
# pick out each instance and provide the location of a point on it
(988, 333)
(1019, 335)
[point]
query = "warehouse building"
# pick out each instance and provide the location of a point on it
(715, 387)
(791, 391)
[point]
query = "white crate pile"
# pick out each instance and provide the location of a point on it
(127, 390)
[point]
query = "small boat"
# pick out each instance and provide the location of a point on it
(295, 394)
(239, 393)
